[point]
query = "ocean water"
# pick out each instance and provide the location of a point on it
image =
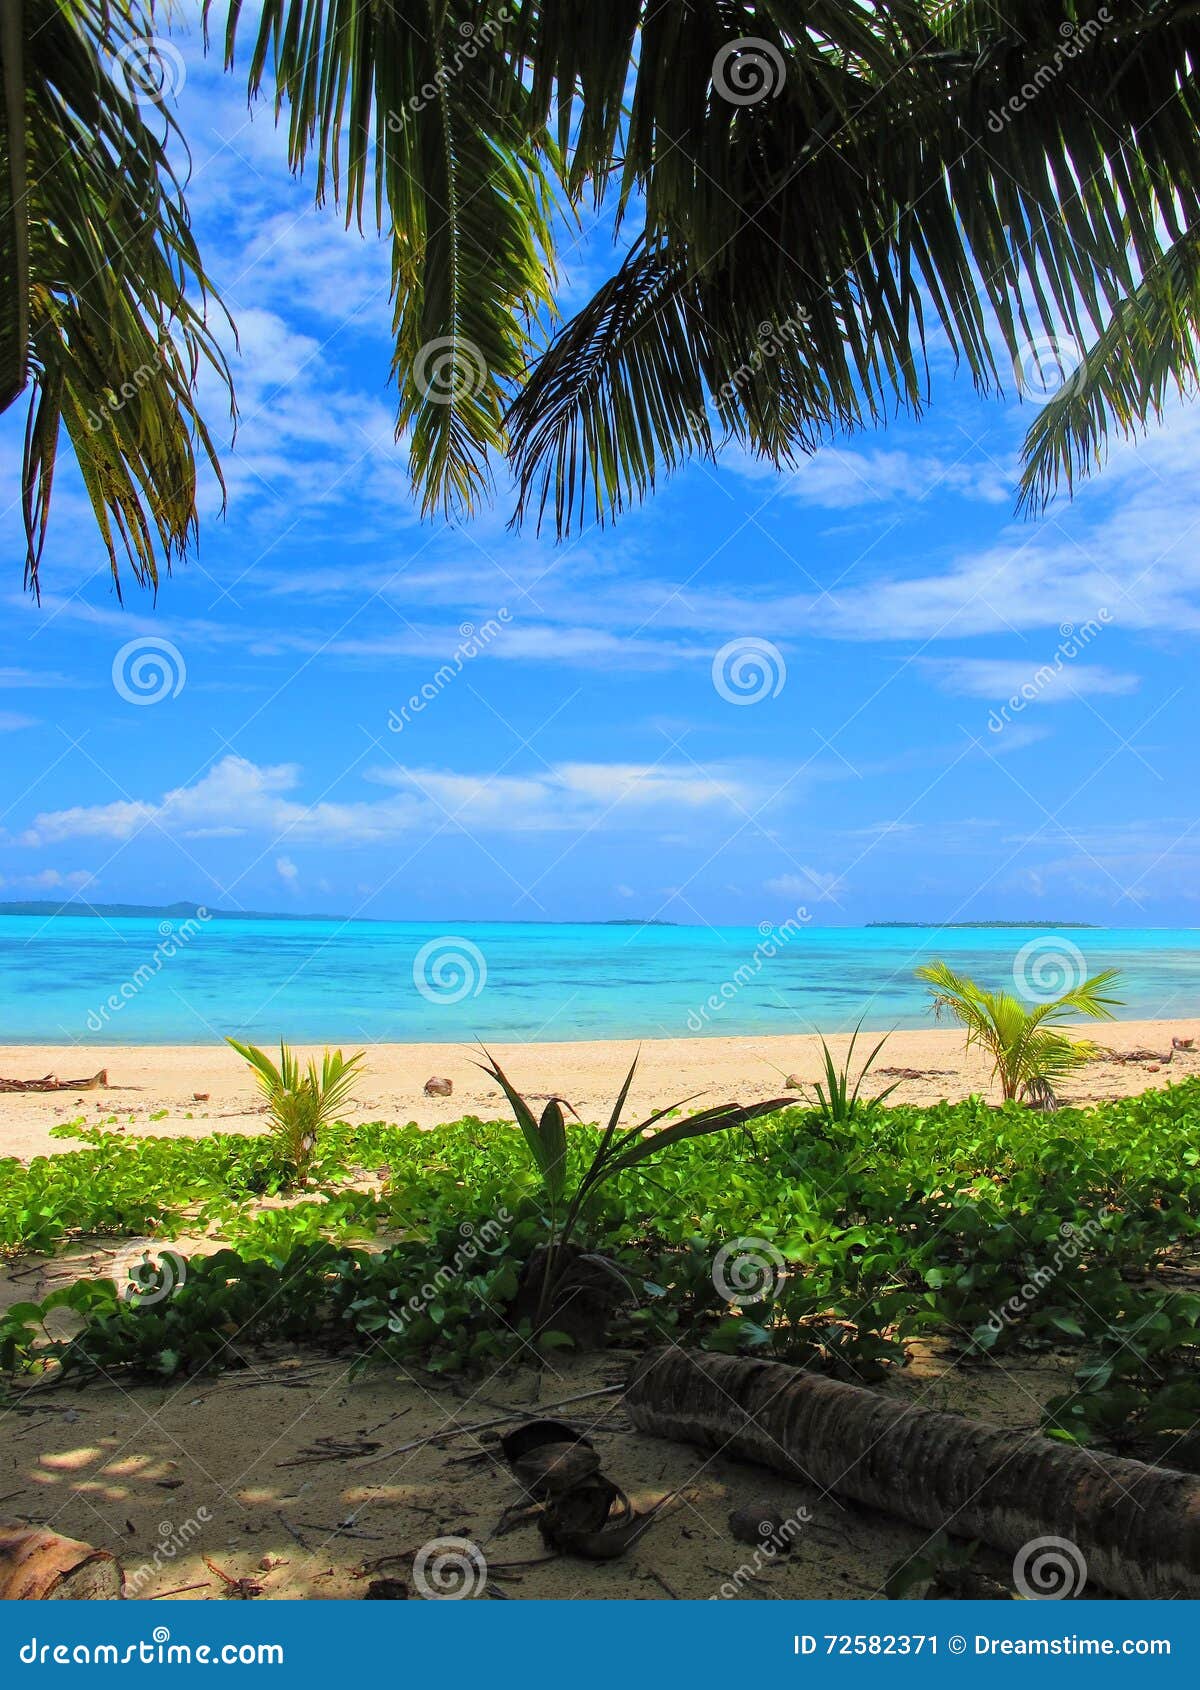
(67, 979)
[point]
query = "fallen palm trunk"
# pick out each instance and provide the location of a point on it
(51, 1082)
(38, 1566)
(1136, 1527)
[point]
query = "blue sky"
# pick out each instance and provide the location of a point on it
(595, 758)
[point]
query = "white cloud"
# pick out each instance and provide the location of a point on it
(287, 871)
(1052, 681)
(236, 797)
(11, 722)
(50, 880)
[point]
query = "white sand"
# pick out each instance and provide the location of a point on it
(145, 1080)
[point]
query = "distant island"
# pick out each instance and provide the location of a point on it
(176, 912)
(1040, 922)
(190, 912)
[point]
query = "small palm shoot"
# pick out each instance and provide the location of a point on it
(300, 1101)
(617, 1150)
(836, 1103)
(1032, 1055)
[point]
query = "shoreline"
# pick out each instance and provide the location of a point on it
(145, 1080)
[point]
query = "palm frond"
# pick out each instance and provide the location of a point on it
(116, 298)
(1149, 349)
(419, 103)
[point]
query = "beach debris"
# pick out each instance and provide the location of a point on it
(201, 1096)
(51, 1082)
(38, 1565)
(762, 1524)
(439, 1087)
(1182, 1044)
(582, 1512)
(793, 1082)
(236, 1589)
(549, 1457)
(1125, 1056)
(1131, 1526)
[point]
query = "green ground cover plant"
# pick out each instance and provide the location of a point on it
(992, 1230)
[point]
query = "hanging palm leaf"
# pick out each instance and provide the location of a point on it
(105, 313)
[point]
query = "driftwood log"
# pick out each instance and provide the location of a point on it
(51, 1082)
(38, 1565)
(1137, 1527)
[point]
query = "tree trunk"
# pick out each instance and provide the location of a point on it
(1136, 1527)
(38, 1565)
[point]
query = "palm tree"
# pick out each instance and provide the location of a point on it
(102, 311)
(1019, 177)
(1031, 1053)
(1015, 179)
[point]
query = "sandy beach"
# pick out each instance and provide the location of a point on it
(197, 1089)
